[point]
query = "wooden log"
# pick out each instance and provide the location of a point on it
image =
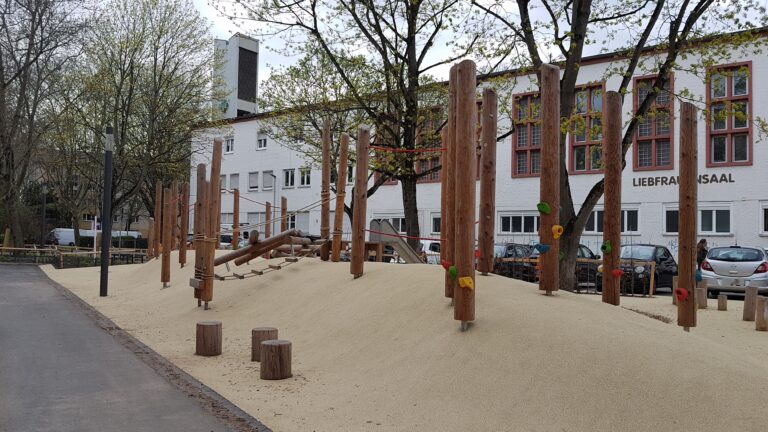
(449, 174)
(360, 196)
(165, 276)
(214, 196)
(175, 203)
(341, 185)
(268, 227)
(686, 309)
(465, 178)
(549, 263)
(487, 182)
(761, 313)
(722, 302)
(259, 335)
(325, 188)
(236, 219)
(150, 238)
(199, 228)
(612, 156)
(275, 359)
(260, 248)
(283, 213)
(208, 340)
(750, 301)
(158, 218)
(184, 224)
(701, 298)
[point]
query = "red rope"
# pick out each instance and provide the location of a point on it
(403, 236)
(399, 150)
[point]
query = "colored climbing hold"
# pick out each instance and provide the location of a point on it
(467, 282)
(542, 248)
(617, 273)
(544, 208)
(606, 247)
(681, 294)
(561, 255)
(600, 268)
(698, 275)
(452, 272)
(446, 264)
(557, 231)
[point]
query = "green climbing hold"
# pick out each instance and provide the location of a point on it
(544, 208)
(452, 272)
(606, 247)
(561, 255)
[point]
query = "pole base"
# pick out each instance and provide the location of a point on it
(199, 302)
(166, 285)
(464, 326)
(206, 306)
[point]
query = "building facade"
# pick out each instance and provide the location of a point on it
(732, 159)
(239, 73)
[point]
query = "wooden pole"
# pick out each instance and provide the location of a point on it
(208, 340)
(487, 181)
(150, 238)
(215, 193)
(259, 335)
(360, 196)
(686, 271)
(167, 234)
(175, 204)
(268, 227)
(465, 178)
(275, 360)
(449, 174)
(341, 185)
(761, 311)
(184, 224)
(325, 192)
(750, 299)
(283, 214)
(236, 219)
(200, 228)
(158, 218)
(722, 302)
(549, 261)
(612, 197)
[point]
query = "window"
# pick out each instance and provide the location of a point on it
(253, 180)
(226, 218)
(223, 182)
(234, 181)
(268, 180)
(519, 223)
(715, 221)
(653, 140)
(426, 165)
(399, 224)
(261, 142)
(305, 176)
(257, 218)
(586, 130)
(289, 178)
(291, 221)
(229, 145)
(765, 218)
(671, 220)
(436, 221)
(526, 141)
(629, 222)
(594, 222)
(729, 131)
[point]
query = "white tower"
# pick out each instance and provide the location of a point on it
(239, 72)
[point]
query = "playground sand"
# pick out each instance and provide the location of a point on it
(383, 353)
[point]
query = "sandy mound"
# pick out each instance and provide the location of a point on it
(383, 353)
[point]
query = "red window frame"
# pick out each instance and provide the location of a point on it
(727, 70)
(654, 137)
(527, 124)
(588, 141)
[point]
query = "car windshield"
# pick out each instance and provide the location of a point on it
(637, 252)
(499, 251)
(735, 254)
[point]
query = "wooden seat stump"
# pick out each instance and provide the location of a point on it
(208, 338)
(275, 359)
(259, 335)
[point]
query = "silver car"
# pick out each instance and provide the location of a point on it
(733, 268)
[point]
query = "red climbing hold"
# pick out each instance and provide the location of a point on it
(446, 264)
(681, 294)
(617, 273)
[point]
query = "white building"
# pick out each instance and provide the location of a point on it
(239, 73)
(732, 163)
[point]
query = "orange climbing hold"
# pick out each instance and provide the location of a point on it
(681, 294)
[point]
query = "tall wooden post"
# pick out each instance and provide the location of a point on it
(360, 197)
(184, 224)
(325, 192)
(612, 212)
(341, 184)
(158, 218)
(215, 192)
(268, 227)
(167, 234)
(465, 178)
(175, 204)
(487, 181)
(150, 238)
(283, 214)
(686, 271)
(200, 228)
(235, 219)
(449, 174)
(549, 261)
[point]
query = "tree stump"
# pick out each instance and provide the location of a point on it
(208, 342)
(761, 321)
(701, 298)
(750, 297)
(722, 302)
(259, 335)
(275, 359)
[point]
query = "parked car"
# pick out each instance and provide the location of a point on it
(732, 268)
(637, 275)
(432, 249)
(518, 269)
(587, 275)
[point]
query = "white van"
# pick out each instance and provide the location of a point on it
(66, 236)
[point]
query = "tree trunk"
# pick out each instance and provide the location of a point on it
(569, 245)
(17, 232)
(411, 211)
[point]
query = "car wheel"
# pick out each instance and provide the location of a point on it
(712, 294)
(71, 244)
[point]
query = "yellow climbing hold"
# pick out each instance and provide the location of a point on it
(467, 282)
(557, 231)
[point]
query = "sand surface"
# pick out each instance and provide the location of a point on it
(383, 353)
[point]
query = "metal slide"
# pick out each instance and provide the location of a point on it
(391, 237)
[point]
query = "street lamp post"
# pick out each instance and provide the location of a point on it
(274, 197)
(106, 212)
(42, 224)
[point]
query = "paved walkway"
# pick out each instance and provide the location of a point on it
(60, 372)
